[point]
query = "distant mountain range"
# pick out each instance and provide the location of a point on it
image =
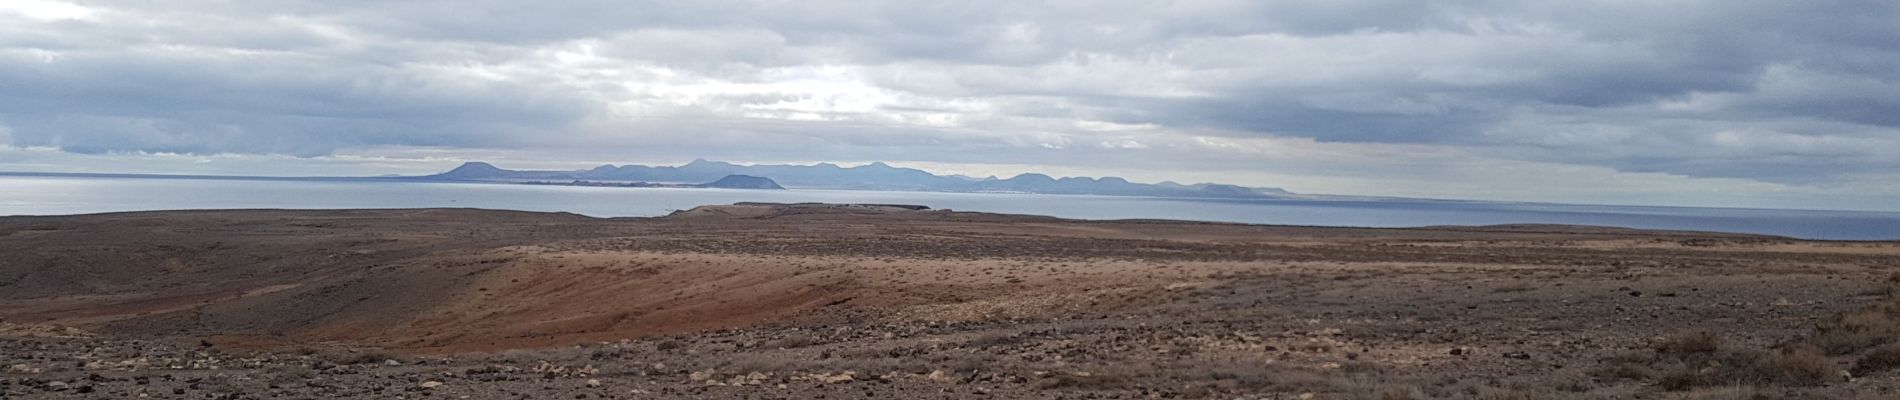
(874, 176)
(728, 182)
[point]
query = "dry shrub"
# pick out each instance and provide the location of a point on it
(746, 365)
(1791, 366)
(1490, 393)
(1880, 359)
(1622, 371)
(1727, 393)
(962, 362)
(611, 353)
(791, 342)
(289, 374)
(1796, 366)
(1513, 289)
(1400, 393)
(1090, 381)
(1856, 331)
(995, 339)
(1694, 343)
(1250, 375)
(365, 357)
(1701, 360)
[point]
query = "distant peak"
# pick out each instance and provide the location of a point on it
(878, 164)
(1032, 177)
(476, 166)
(472, 169)
(745, 182)
(703, 163)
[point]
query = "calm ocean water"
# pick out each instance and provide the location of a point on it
(36, 195)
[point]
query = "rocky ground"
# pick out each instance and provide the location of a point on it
(799, 302)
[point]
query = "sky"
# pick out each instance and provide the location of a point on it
(1736, 103)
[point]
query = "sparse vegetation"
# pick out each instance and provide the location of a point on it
(1870, 336)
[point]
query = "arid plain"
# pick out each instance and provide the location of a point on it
(758, 301)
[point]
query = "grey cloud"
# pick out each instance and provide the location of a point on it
(170, 101)
(1777, 91)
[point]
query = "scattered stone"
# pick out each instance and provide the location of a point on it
(845, 377)
(751, 379)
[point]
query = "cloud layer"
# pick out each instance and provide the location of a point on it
(1789, 103)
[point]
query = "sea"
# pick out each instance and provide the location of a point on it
(64, 195)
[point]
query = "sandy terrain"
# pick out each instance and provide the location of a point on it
(816, 301)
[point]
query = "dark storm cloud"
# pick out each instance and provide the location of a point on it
(1789, 92)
